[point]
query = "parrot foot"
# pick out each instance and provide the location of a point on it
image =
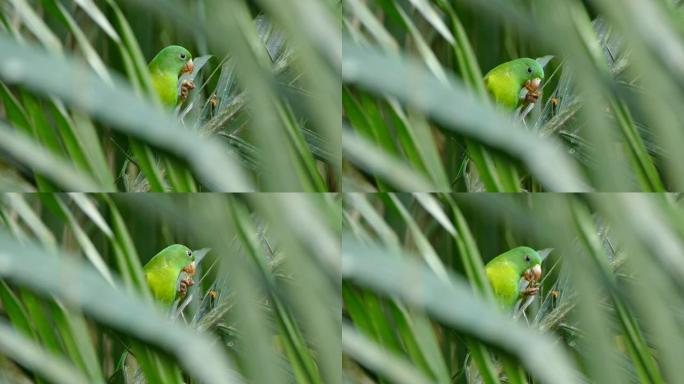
(532, 97)
(528, 275)
(530, 291)
(532, 92)
(185, 88)
(184, 284)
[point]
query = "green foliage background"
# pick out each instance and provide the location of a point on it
(417, 307)
(77, 112)
(74, 307)
(416, 114)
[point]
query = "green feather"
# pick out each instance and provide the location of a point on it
(162, 271)
(505, 81)
(504, 273)
(165, 68)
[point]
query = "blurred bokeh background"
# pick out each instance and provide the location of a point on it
(415, 309)
(77, 112)
(74, 307)
(417, 117)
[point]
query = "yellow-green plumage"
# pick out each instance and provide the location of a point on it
(504, 280)
(165, 84)
(165, 68)
(162, 271)
(504, 273)
(505, 81)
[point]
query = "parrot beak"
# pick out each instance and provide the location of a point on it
(190, 268)
(533, 274)
(536, 82)
(537, 272)
(189, 66)
(532, 85)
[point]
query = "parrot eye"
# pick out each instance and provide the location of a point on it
(189, 253)
(182, 56)
(529, 70)
(527, 258)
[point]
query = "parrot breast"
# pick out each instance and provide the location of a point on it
(166, 85)
(162, 282)
(504, 87)
(504, 279)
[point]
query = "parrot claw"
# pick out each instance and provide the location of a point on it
(528, 275)
(530, 291)
(185, 87)
(190, 268)
(184, 284)
(533, 92)
(532, 277)
(532, 97)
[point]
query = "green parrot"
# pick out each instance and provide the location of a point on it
(165, 68)
(162, 272)
(505, 81)
(505, 271)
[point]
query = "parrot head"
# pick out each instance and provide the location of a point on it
(180, 256)
(527, 262)
(173, 58)
(530, 71)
